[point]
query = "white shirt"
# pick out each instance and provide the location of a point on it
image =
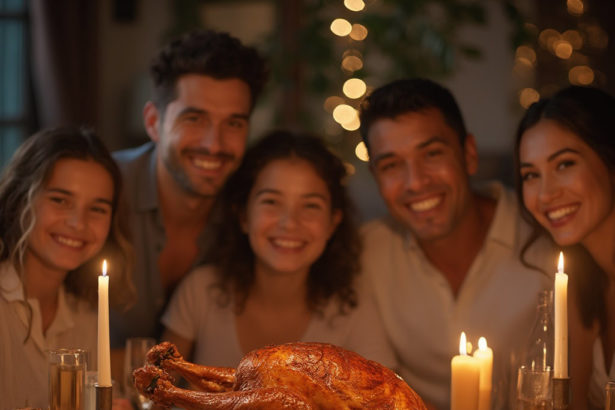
(24, 367)
(600, 376)
(424, 320)
(194, 314)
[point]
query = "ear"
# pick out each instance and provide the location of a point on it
(470, 154)
(336, 218)
(151, 121)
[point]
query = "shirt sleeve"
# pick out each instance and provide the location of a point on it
(188, 305)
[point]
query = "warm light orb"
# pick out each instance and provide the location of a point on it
(358, 32)
(332, 102)
(344, 114)
(352, 63)
(528, 96)
(581, 75)
(354, 5)
(350, 169)
(560, 263)
(482, 343)
(547, 37)
(104, 267)
(574, 38)
(354, 88)
(575, 7)
(463, 344)
(361, 152)
(352, 125)
(562, 49)
(341, 27)
(526, 55)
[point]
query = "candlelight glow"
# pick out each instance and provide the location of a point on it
(482, 343)
(560, 263)
(462, 344)
(104, 267)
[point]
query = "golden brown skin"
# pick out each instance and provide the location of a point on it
(292, 375)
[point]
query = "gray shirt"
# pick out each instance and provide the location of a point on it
(138, 166)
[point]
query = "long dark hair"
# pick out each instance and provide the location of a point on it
(24, 177)
(588, 113)
(333, 274)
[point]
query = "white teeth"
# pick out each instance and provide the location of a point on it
(561, 212)
(426, 205)
(204, 164)
(69, 242)
(286, 243)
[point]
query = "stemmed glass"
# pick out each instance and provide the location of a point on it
(136, 349)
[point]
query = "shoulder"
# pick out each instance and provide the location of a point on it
(130, 158)
(382, 229)
(200, 280)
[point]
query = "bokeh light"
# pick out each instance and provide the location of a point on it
(574, 38)
(526, 55)
(332, 102)
(354, 5)
(352, 125)
(341, 27)
(354, 88)
(344, 114)
(528, 96)
(562, 49)
(358, 32)
(581, 75)
(361, 152)
(575, 7)
(547, 37)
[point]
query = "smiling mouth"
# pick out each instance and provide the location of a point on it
(426, 204)
(208, 165)
(561, 212)
(73, 243)
(287, 243)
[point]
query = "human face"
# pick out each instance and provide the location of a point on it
(202, 135)
(422, 171)
(566, 186)
(288, 218)
(73, 215)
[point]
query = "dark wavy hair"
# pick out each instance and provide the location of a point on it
(408, 96)
(333, 274)
(207, 52)
(588, 113)
(22, 180)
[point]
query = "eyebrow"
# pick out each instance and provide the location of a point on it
(69, 193)
(194, 110)
(276, 192)
(552, 156)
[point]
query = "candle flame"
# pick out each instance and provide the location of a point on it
(462, 344)
(560, 263)
(482, 343)
(104, 267)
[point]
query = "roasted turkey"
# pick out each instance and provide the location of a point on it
(288, 376)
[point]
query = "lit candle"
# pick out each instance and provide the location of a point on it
(465, 378)
(104, 362)
(484, 355)
(560, 360)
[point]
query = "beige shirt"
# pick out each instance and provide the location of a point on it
(600, 376)
(194, 314)
(24, 366)
(424, 319)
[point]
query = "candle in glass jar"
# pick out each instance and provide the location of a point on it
(104, 362)
(560, 360)
(465, 378)
(484, 355)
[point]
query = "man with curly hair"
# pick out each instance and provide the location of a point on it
(205, 85)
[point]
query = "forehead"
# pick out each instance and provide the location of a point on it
(81, 177)
(291, 175)
(225, 95)
(409, 131)
(546, 137)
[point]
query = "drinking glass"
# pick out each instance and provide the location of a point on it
(136, 349)
(534, 389)
(67, 368)
(609, 389)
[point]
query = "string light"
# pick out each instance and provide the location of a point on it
(358, 32)
(354, 5)
(361, 152)
(354, 88)
(344, 114)
(528, 96)
(341, 27)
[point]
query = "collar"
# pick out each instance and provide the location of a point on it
(11, 287)
(503, 226)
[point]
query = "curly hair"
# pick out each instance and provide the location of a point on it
(334, 272)
(206, 52)
(24, 177)
(408, 96)
(588, 113)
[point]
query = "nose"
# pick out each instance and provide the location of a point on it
(288, 218)
(416, 176)
(76, 218)
(212, 138)
(549, 189)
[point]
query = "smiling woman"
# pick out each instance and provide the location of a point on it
(565, 162)
(59, 198)
(285, 264)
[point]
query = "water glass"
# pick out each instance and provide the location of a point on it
(67, 369)
(136, 349)
(609, 389)
(534, 389)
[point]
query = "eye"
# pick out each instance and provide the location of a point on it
(388, 166)
(191, 118)
(237, 123)
(527, 176)
(59, 200)
(313, 205)
(434, 153)
(565, 164)
(103, 210)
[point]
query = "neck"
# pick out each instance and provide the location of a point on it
(279, 289)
